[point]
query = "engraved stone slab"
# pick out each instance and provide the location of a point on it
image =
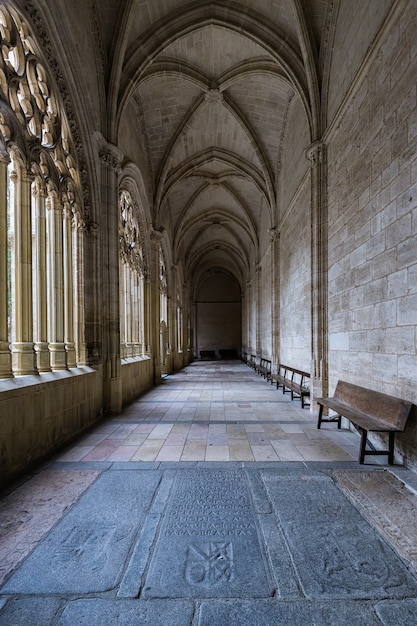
(30, 611)
(400, 612)
(87, 550)
(208, 544)
(273, 613)
(334, 550)
(94, 612)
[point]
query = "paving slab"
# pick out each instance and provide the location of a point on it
(400, 612)
(209, 543)
(335, 552)
(29, 611)
(87, 550)
(93, 612)
(272, 613)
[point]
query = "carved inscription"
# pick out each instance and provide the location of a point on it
(208, 544)
(218, 509)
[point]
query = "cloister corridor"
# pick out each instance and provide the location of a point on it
(214, 465)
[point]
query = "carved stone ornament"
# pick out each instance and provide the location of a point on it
(273, 234)
(315, 153)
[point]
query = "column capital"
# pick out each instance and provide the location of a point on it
(274, 234)
(109, 154)
(156, 236)
(315, 152)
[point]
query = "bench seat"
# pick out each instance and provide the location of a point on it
(293, 380)
(368, 411)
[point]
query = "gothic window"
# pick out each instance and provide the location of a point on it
(41, 220)
(131, 269)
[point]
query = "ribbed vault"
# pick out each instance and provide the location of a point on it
(212, 83)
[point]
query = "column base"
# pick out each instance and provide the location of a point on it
(42, 356)
(58, 356)
(5, 360)
(71, 355)
(23, 359)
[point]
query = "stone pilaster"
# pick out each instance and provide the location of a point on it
(111, 159)
(316, 154)
(23, 353)
(155, 305)
(5, 355)
(275, 296)
(258, 290)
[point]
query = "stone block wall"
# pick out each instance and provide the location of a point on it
(137, 377)
(372, 156)
(295, 282)
(38, 414)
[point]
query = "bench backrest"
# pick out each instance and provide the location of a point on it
(392, 410)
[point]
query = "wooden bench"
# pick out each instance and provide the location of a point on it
(228, 354)
(252, 361)
(209, 355)
(264, 368)
(296, 381)
(368, 411)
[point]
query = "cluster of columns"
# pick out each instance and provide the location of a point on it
(38, 264)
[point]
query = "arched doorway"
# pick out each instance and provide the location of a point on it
(218, 314)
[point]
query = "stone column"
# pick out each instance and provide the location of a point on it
(78, 234)
(258, 289)
(41, 335)
(68, 284)
(248, 296)
(275, 297)
(5, 355)
(111, 158)
(155, 305)
(23, 353)
(147, 323)
(316, 154)
(55, 281)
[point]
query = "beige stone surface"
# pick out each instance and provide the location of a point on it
(33, 508)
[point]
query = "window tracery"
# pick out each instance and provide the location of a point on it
(41, 205)
(132, 274)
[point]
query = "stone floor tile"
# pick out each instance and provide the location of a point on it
(264, 453)
(170, 453)
(102, 451)
(161, 431)
(217, 453)
(75, 454)
(148, 451)
(194, 451)
(123, 453)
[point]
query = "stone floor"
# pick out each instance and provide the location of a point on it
(213, 500)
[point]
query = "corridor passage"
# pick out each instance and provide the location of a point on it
(212, 500)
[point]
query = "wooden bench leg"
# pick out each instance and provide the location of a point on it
(391, 448)
(320, 416)
(364, 437)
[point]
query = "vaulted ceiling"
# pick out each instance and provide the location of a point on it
(213, 82)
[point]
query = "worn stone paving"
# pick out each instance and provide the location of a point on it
(227, 544)
(107, 540)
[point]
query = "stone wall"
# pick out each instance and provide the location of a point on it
(373, 224)
(137, 377)
(295, 281)
(38, 414)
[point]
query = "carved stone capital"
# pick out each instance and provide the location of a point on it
(273, 234)
(109, 154)
(315, 153)
(156, 236)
